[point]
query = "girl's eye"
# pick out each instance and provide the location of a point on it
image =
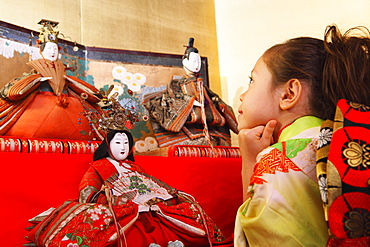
(250, 80)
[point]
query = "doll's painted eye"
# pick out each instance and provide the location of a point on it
(250, 79)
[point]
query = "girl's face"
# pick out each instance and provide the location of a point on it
(119, 147)
(50, 51)
(260, 103)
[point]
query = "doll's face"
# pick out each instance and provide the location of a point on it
(119, 147)
(193, 63)
(50, 51)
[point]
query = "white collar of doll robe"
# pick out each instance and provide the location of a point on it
(141, 199)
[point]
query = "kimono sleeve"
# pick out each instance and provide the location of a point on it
(91, 187)
(19, 89)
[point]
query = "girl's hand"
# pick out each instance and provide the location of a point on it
(251, 143)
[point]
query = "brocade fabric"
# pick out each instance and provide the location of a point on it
(177, 119)
(343, 170)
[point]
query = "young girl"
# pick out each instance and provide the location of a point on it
(293, 87)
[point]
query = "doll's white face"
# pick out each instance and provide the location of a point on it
(50, 51)
(193, 63)
(119, 146)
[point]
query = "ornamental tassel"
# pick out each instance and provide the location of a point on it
(109, 195)
(204, 120)
(62, 101)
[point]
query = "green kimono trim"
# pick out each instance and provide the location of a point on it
(298, 126)
(293, 147)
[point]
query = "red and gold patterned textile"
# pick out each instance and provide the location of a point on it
(35, 145)
(343, 169)
(203, 151)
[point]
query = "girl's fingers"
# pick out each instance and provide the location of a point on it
(268, 131)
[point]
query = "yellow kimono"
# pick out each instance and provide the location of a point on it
(285, 207)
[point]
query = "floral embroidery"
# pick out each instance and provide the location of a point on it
(99, 216)
(176, 243)
(72, 245)
(323, 184)
(74, 240)
(358, 223)
(325, 137)
(357, 154)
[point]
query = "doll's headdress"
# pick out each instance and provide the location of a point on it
(48, 32)
(189, 48)
(115, 116)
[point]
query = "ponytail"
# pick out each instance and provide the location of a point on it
(346, 73)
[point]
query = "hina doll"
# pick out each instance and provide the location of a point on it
(47, 103)
(187, 112)
(121, 205)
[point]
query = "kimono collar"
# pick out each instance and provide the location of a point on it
(298, 126)
(130, 165)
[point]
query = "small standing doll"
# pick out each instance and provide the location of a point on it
(120, 205)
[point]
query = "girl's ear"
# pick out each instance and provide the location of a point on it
(290, 94)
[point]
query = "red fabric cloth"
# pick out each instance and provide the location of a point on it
(44, 118)
(32, 183)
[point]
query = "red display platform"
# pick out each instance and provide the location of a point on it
(34, 182)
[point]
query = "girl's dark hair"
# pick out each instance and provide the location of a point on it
(337, 67)
(103, 150)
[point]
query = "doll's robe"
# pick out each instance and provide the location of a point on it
(176, 115)
(29, 108)
(91, 221)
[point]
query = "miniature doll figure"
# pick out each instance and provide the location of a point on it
(187, 112)
(47, 103)
(120, 205)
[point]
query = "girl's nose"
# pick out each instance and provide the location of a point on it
(241, 96)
